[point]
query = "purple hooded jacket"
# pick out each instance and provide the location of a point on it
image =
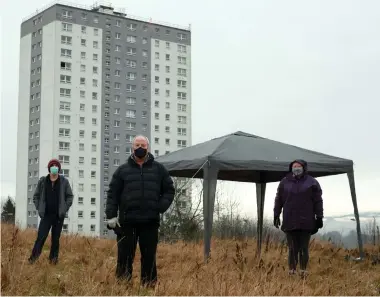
(300, 199)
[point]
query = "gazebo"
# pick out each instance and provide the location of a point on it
(245, 157)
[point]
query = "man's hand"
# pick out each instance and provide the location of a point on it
(112, 223)
(319, 222)
(276, 222)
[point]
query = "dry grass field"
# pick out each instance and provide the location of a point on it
(87, 267)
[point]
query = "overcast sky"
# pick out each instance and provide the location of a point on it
(301, 72)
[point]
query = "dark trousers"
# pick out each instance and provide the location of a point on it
(46, 223)
(298, 244)
(147, 237)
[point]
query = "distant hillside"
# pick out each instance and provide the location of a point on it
(345, 223)
(341, 230)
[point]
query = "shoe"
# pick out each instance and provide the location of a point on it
(303, 273)
(292, 272)
(53, 261)
(32, 260)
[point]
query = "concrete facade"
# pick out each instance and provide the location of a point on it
(91, 83)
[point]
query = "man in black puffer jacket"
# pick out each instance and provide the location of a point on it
(140, 190)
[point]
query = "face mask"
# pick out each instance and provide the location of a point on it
(54, 170)
(297, 171)
(140, 152)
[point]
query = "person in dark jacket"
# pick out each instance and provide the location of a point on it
(140, 190)
(299, 195)
(52, 198)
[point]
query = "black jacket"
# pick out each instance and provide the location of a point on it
(140, 194)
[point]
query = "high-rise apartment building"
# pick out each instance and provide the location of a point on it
(90, 79)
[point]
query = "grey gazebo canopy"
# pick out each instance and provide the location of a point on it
(248, 158)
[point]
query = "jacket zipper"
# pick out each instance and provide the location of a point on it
(142, 185)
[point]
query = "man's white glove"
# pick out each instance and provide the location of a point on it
(112, 223)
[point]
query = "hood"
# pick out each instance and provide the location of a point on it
(302, 162)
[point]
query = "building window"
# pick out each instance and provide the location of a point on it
(64, 119)
(67, 14)
(132, 27)
(131, 39)
(80, 214)
(67, 27)
(131, 51)
(93, 188)
(181, 107)
(64, 159)
(92, 214)
(181, 48)
(181, 60)
(65, 172)
(181, 84)
(181, 95)
(66, 40)
(181, 36)
(64, 146)
(182, 120)
(66, 65)
(182, 72)
(92, 228)
(131, 75)
(65, 79)
(181, 143)
(65, 53)
(64, 132)
(181, 131)
(130, 126)
(81, 173)
(131, 88)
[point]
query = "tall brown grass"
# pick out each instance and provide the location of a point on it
(87, 267)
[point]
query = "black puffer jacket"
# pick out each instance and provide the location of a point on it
(140, 194)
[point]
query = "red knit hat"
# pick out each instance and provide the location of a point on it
(55, 162)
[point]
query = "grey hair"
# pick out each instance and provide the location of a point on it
(140, 135)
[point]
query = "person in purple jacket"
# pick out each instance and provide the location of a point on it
(299, 196)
